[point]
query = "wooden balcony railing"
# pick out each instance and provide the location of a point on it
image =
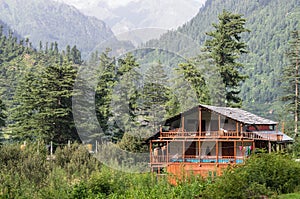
(161, 159)
(222, 134)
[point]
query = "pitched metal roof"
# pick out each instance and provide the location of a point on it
(272, 135)
(239, 115)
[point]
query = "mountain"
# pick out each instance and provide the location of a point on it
(127, 15)
(270, 22)
(50, 21)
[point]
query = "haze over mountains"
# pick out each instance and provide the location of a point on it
(54, 21)
(126, 15)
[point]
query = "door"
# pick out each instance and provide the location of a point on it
(227, 148)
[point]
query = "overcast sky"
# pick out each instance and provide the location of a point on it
(117, 3)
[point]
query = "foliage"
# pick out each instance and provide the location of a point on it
(125, 96)
(270, 22)
(263, 174)
(42, 98)
(156, 93)
(104, 90)
(194, 77)
(225, 47)
(2, 114)
(290, 79)
(73, 173)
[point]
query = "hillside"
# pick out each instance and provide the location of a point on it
(50, 21)
(270, 22)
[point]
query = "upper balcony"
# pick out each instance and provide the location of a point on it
(221, 134)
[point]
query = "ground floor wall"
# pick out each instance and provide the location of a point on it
(183, 171)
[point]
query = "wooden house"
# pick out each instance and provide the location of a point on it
(206, 139)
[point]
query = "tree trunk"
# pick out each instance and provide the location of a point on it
(296, 95)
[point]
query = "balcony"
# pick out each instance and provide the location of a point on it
(167, 159)
(221, 134)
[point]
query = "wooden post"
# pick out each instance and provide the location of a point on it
(234, 152)
(282, 127)
(270, 146)
(199, 147)
(200, 121)
(237, 128)
(182, 122)
(96, 147)
(160, 131)
(183, 150)
(219, 122)
(150, 152)
(51, 149)
(243, 151)
(241, 130)
(217, 152)
(167, 152)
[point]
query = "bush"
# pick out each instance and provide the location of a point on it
(263, 174)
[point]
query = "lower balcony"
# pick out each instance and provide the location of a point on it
(163, 159)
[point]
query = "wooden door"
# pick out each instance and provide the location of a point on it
(227, 148)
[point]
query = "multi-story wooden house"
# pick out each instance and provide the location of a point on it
(208, 138)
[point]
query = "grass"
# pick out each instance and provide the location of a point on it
(290, 196)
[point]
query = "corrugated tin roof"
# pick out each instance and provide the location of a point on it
(239, 115)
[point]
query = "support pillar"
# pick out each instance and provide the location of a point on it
(217, 152)
(183, 149)
(200, 122)
(167, 155)
(199, 149)
(182, 122)
(150, 151)
(219, 122)
(234, 152)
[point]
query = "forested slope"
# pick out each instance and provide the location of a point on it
(50, 21)
(270, 22)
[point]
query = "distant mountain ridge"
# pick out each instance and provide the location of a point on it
(50, 21)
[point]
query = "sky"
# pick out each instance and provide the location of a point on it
(118, 3)
(111, 3)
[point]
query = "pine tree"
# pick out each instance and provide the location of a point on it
(196, 80)
(225, 48)
(156, 96)
(125, 97)
(43, 99)
(290, 78)
(106, 82)
(56, 100)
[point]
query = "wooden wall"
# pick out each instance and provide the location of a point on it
(182, 171)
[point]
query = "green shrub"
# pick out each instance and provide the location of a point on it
(263, 174)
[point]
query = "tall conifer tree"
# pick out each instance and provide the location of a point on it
(225, 48)
(291, 83)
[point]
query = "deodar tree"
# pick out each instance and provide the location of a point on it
(224, 48)
(290, 79)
